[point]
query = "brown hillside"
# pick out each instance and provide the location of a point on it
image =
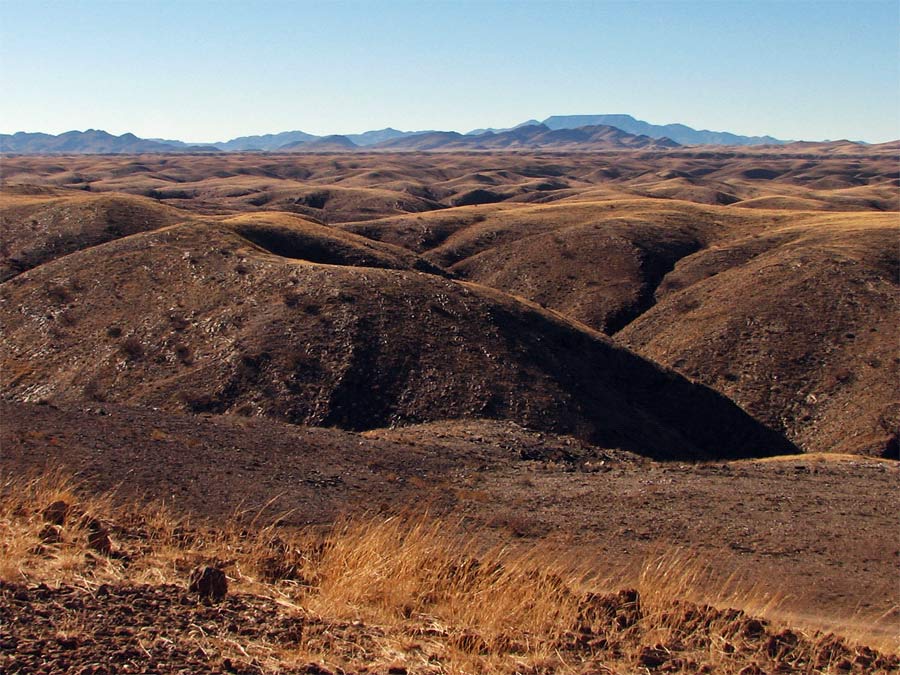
(410, 182)
(289, 236)
(797, 325)
(597, 262)
(797, 285)
(197, 317)
(575, 233)
(39, 227)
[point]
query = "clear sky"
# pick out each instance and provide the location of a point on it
(207, 71)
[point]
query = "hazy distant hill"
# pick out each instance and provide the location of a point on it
(530, 137)
(373, 137)
(679, 133)
(335, 143)
(431, 140)
(264, 142)
(477, 132)
(92, 141)
(591, 131)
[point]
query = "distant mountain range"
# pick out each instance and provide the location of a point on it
(559, 131)
(679, 133)
(92, 141)
(530, 136)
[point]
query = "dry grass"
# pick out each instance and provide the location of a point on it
(414, 592)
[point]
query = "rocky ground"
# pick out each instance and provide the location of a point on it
(815, 530)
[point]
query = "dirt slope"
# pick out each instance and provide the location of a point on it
(38, 227)
(597, 262)
(796, 325)
(197, 317)
(810, 528)
(789, 314)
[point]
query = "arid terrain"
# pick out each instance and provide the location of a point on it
(638, 406)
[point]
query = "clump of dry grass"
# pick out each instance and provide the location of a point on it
(418, 592)
(44, 528)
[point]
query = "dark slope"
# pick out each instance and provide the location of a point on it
(37, 228)
(798, 325)
(199, 318)
(790, 314)
(597, 262)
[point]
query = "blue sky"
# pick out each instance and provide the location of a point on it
(205, 71)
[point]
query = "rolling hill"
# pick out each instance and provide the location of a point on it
(595, 355)
(640, 245)
(319, 337)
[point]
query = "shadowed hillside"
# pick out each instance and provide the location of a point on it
(226, 326)
(787, 313)
(36, 227)
(797, 325)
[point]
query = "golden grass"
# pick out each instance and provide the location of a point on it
(411, 591)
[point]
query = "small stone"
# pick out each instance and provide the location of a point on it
(98, 538)
(56, 513)
(753, 628)
(210, 583)
(67, 642)
(652, 657)
(51, 534)
(315, 669)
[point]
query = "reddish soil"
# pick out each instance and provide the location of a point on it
(164, 629)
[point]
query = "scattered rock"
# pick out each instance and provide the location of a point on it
(56, 513)
(653, 657)
(210, 583)
(779, 645)
(98, 537)
(51, 534)
(753, 628)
